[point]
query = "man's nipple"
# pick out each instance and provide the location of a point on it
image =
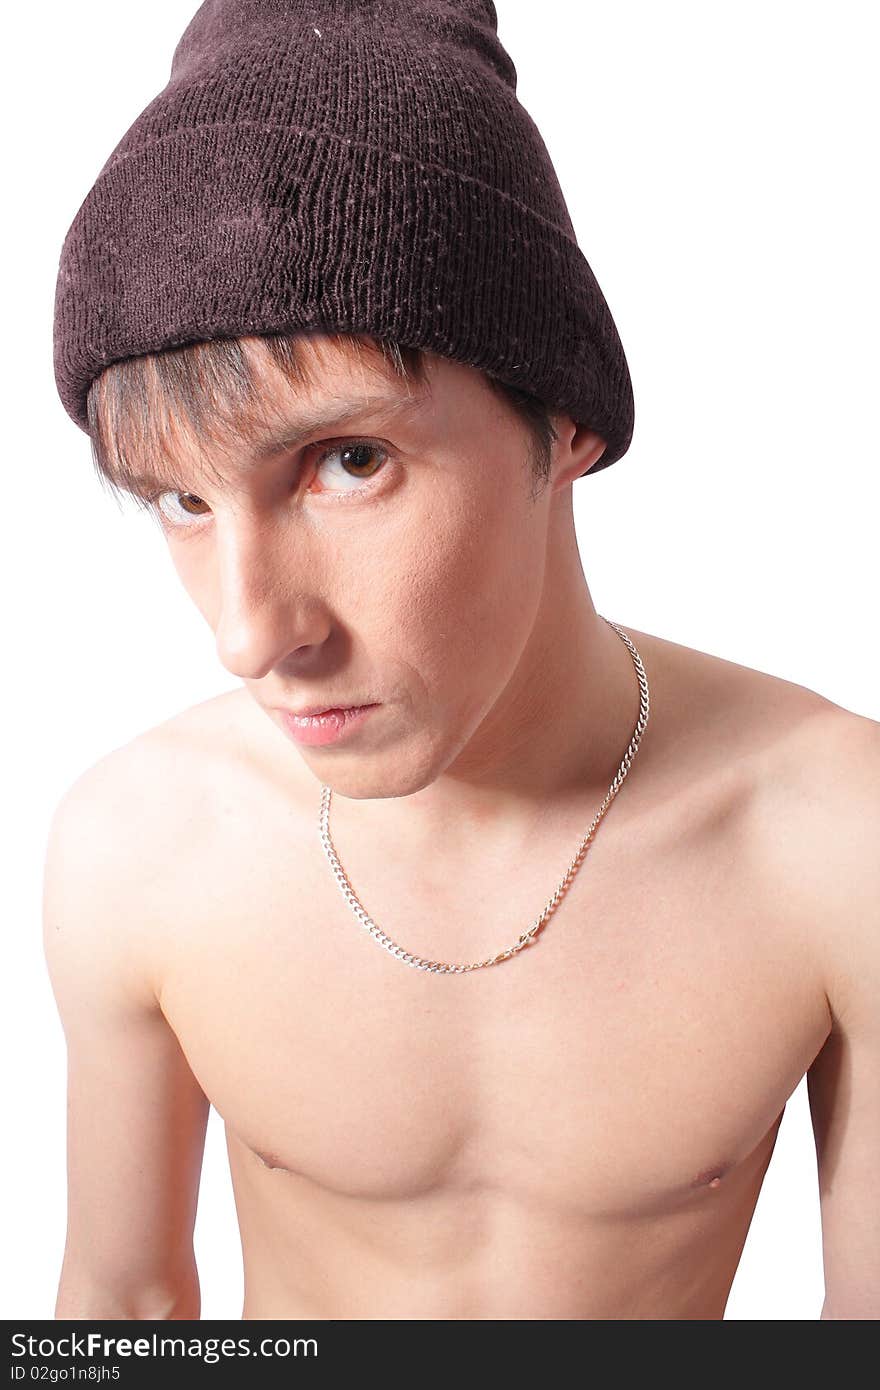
(710, 1177)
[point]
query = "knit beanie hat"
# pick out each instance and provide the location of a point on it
(354, 166)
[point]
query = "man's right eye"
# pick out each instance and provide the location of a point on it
(167, 514)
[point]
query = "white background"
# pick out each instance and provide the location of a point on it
(719, 164)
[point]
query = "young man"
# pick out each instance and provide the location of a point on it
(324, 314)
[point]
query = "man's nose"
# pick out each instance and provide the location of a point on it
(268, 605)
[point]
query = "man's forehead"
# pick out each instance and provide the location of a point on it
(338, 383)
(302, 419)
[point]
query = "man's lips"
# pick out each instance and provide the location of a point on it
(328, 726)
(310, 711)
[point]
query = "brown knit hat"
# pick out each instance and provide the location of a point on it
(353, 166)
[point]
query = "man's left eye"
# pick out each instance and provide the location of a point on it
(350, 463)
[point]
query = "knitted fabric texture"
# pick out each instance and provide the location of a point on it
(358, 166)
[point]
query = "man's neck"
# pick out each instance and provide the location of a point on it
(555, 738)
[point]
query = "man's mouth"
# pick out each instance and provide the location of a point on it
(325, 725)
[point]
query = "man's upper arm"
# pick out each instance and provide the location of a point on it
(844, 1080)
(136, 1116)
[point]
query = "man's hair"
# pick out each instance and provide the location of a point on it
(136, 406)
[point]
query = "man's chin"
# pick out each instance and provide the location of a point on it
(373, 776)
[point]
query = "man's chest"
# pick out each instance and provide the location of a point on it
(641, 1049)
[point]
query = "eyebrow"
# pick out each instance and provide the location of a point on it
(295, 428)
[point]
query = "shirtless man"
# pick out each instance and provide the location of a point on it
(578, 1131)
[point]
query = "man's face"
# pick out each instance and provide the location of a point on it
(397, 559)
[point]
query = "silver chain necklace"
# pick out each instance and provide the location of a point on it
(440, 967)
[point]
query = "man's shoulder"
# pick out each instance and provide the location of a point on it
(801, 772)
(724, 731)
(140, 836)
(774, 723)
(821, 773)
(158, 792)
(810, 769)
(833, 754)
(815, 814)
(155, 751)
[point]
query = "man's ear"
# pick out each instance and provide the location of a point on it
(577, 448)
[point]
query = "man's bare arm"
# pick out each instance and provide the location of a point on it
(136, 1117)
(844, 1080)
